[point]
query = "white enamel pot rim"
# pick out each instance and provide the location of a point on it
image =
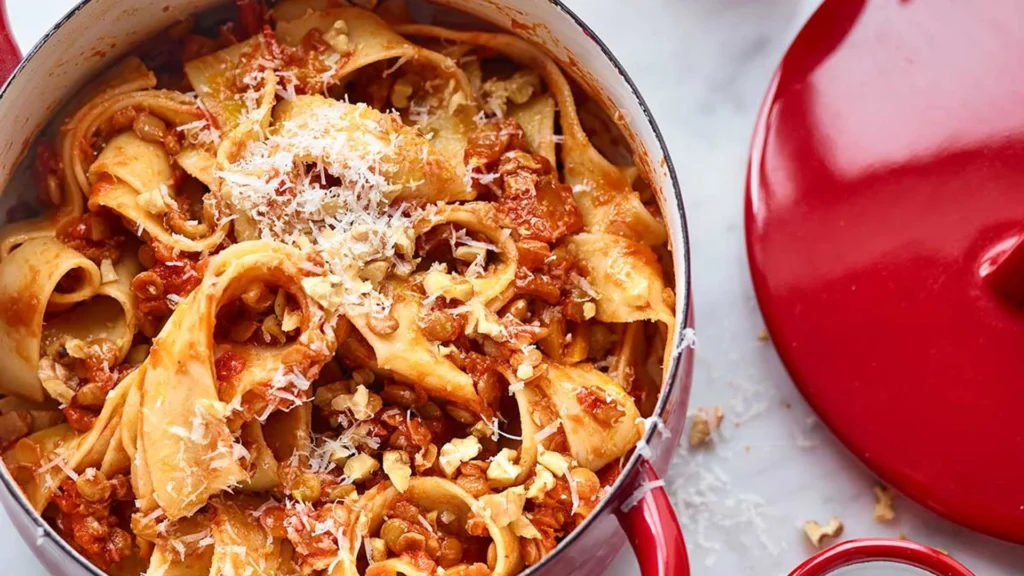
(652, 518)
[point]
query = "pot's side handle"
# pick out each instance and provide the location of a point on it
(653, 529)
(10, 55)
(865, 550)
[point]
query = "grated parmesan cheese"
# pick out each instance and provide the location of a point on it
(572, 491)
(319, 180)
(639, 494)
(548, 430)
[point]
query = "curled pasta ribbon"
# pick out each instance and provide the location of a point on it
(128, 75)
(184, 445)
(625, 275)
(409, 356)
(606, 200)
(411, 168)
(630, 287)
(368, 39)
(41, 461)
(595, 438)
(184, 548)
(135, 179)
(213, 78)
(440, 495)
(490, 286)
(31, 292)
(42, 415)
(76, 144)
(242, 545)
(238, 120)
(537, 119)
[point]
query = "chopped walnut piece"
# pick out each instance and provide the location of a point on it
(360, 466)
(703, 424)
(470, 254)
(763, 335)
(524, 371)
(459, 450)
(325, 290)
(425, 458)
(337, 37)
(375, 272)
(291, 320)
(58, 381)
(543, 481)
(157, 201)
(107, 271)
(378, 550)
(516, 89)
(884, 511)
(362, 403)
(503, 471)
(439, 283)
(502, 508)
(397, 467)
(523, 528)
(554, 461)
(483, 321)
(816, 532)
(382, 324)
(402, 91)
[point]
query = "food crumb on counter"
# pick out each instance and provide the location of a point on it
(816, 533)
(703, 424)
(763, 335)
(884, 511)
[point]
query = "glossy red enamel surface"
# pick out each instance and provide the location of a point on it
(10, 56)
(884, 215)
(653, 529)
(867, 550)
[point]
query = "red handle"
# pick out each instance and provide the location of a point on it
(1003, 267)
(652, 527)
(880, 550)
(10, 55)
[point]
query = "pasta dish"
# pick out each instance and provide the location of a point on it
(324, 290)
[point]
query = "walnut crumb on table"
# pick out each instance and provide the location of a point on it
(703, 424)
(816, 533)
(884, 511)
(763, 335)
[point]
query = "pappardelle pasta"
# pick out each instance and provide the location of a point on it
(327, 291)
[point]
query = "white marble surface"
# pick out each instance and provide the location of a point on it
(703, 66)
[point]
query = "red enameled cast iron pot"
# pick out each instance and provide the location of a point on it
(96, 32)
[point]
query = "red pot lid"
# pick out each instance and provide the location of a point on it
(884, 219)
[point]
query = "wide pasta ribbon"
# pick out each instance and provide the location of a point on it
(403, 156)
(185, 450)
(605, 197)
(360, 38)
(87, 308)
(135, 178)
(41, 461)
(407, 354)
(491, 284)
(74, 137)
(598, 418)
(437, 495)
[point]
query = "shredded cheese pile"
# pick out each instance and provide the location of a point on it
(319, 183)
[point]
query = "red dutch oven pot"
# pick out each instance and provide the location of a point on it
(96, 32)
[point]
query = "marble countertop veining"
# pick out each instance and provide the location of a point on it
(703, 66)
